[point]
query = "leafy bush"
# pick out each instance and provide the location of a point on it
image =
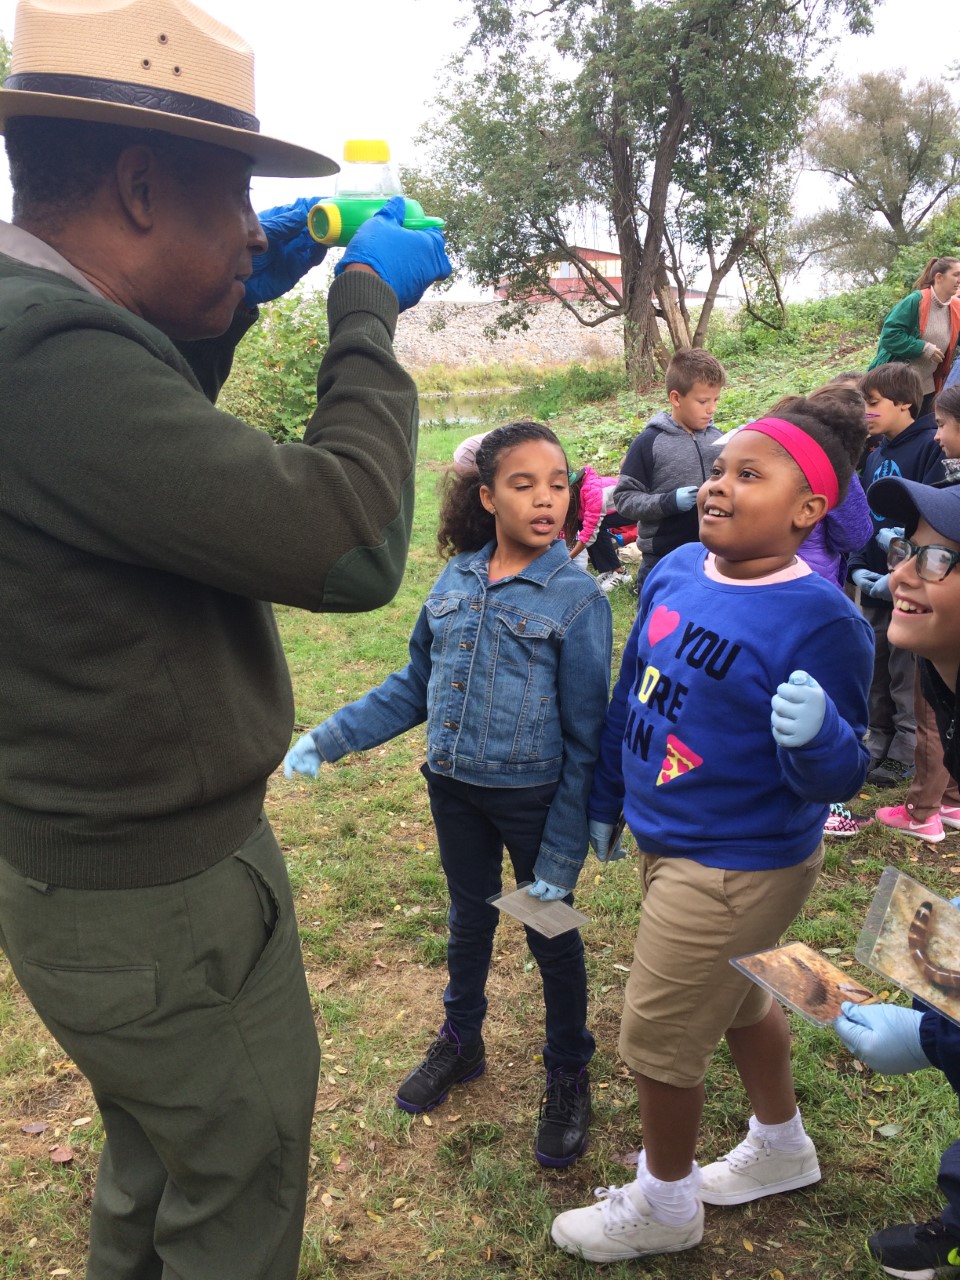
(273, 384)
(566, 390)
(846, 321)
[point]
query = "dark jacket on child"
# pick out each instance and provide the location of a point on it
(914, 455)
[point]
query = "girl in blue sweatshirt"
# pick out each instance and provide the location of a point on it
(510, 668)
(738, 714)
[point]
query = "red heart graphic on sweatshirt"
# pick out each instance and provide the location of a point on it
(662, 622)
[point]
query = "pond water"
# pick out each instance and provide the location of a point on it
(481, 408)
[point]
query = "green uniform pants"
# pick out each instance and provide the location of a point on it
(186, 1007)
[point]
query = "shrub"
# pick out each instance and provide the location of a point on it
(273, 384)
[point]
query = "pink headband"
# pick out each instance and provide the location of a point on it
(807, 454)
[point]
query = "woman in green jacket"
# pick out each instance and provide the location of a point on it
(923, 328)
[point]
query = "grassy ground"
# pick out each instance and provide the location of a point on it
(457, 1193)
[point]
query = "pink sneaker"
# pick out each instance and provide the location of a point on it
(950, 817)
(899, 818)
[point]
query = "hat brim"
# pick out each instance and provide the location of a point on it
(271, 158)
(907, 502)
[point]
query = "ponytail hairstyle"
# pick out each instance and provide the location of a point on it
(935, 267)
(465, 524)
(834, 417)
(949, 401)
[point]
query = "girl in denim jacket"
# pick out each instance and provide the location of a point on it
(510, 668)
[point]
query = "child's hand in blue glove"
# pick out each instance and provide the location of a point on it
(798, 708)
(408, 261)
(686, 497)
(886, 536)
(884, 1036)
(865, 578)
(546, 892)
(600, 833)
(880, 590)
(303, 757)
(291, 252)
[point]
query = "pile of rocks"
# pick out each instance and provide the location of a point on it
(452, 333)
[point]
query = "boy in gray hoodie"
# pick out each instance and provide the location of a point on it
(671, 458)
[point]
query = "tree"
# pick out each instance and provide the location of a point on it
(667, 120)
(5, 52)
(893, 153)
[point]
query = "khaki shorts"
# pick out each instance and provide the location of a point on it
(682, 993)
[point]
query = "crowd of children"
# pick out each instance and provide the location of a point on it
(754, 690)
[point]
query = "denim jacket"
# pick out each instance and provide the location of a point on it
(512, 678)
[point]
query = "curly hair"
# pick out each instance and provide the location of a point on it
(465, 524)
(833, 415)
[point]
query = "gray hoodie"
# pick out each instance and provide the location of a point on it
(663, 458)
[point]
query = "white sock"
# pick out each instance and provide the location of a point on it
(789, 1136)
(671, 1203)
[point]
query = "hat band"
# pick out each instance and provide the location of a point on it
(124, 93)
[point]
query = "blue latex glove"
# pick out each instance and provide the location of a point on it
(291, 251)
(686, 497)
(303, 757)
(884, 1036)
(881, 588)
(886, 536)
(600, 833)
(798, 708)
(546, 892)
(408, 261)
(865, 578)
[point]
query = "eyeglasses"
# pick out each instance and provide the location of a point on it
(933, 563)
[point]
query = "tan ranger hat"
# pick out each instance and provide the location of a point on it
(148, 64)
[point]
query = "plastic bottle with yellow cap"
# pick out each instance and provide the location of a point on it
(364, 184)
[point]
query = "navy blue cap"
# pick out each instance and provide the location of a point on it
(906, 502)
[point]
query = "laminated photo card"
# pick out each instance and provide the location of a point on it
(804, 981)
(912, 936)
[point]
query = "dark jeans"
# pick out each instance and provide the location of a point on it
(473, 826)
(602, 552)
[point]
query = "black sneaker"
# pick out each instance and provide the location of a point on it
(448, 1062)
(889, 773)
(916, 1250)
(564, 1118)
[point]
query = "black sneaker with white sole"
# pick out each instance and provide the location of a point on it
(917, 1250)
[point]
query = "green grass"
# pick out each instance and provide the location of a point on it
(458, 1194)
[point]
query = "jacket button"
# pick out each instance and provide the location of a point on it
(465, 644)
(443, 764)
(451, 724)
(457, 685)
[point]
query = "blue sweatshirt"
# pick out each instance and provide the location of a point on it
(687, 749)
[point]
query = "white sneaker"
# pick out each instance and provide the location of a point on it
(620, 1226)
(615, 578)
(756, 1169)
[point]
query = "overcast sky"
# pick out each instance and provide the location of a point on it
(368, 68)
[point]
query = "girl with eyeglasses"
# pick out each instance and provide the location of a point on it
(932, 803)
(895, 1040)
